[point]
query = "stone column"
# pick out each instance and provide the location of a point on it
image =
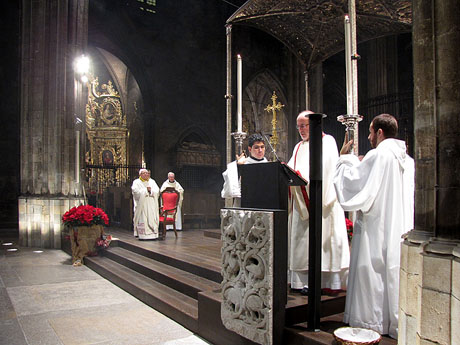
(53, 34)
(430, 269)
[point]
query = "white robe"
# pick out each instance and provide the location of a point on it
(335, 255)
(232, 188)
(176, 185)
(146, 212)
(381, 189)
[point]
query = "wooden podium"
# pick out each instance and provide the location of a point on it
(265, 185)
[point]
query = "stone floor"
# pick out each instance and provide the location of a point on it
(45, 300)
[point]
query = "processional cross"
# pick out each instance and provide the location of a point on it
(274, 107)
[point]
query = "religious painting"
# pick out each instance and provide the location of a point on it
(107, 157)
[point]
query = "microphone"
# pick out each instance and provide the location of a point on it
(269, 144)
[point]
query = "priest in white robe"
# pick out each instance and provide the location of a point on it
(146, 212)
(381, 189)
(335, 255)
(256, 148)
(172, 183)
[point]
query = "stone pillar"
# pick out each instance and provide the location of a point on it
(430, 269)
(52, 36)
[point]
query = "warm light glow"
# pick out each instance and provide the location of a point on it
(7, 244)
(11, 249)
(82, 65)
(84, 78)
(38, 251)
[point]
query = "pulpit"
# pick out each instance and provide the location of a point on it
(265, 186)
(254, 253)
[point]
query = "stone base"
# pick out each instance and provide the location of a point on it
(40, 223)
(429, 300)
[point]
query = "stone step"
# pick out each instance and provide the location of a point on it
(179, 260)
(182, 281)
(174, 304)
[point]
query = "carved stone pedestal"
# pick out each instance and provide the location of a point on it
(252, 302)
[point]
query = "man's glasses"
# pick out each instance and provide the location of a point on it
(302, 126)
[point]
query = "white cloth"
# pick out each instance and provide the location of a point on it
(176, 185)
(335, 254)
(251, 160)
(381, 189)
(146, 212)
(232, 188)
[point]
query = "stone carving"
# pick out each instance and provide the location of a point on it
(192, 153)
(247, 271)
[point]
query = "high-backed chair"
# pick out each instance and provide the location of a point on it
(169, 199)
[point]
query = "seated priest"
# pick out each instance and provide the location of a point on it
(256, 149)
(172, 183)
(146, 213)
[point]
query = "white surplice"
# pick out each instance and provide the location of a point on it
(381, 189)
(335, 255)
(176, 185)
(146, 212)
(232, 188)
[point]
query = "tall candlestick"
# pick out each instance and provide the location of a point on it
(240, 93)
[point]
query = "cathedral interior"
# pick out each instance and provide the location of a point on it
(160, 92)
(155, 94)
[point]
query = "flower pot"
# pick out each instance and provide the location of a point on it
(83, 241)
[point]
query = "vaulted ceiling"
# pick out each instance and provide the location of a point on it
(314, 29)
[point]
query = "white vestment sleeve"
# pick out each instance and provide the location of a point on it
(356, 183)
(231, 188)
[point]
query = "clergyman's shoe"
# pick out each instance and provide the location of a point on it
(304, 291)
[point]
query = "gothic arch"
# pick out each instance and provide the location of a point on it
(256, 119)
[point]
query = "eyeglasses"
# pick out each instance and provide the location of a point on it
(302, 126)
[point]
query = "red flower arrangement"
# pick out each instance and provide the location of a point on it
(349, 225)
(85, 215)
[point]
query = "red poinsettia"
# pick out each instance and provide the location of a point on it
(85, 215)
(349, 225)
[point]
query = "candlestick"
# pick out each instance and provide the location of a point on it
(239, 93)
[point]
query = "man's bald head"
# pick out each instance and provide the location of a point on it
(303, 123)
(304, 113)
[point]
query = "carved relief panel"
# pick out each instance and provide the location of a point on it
(247, 271)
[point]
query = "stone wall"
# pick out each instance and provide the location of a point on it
(429, 301)
(40, 223)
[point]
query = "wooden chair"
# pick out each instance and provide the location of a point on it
(169, 200)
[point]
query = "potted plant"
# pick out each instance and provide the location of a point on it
(86, 224)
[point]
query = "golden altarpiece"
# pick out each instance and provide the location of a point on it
(107, 137)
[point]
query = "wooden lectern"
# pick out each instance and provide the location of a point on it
(265, 185)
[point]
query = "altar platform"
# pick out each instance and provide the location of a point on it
(180, 277)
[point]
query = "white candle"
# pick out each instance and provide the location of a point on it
(349, 72)
(239, 81)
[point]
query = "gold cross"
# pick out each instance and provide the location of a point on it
(274, 108)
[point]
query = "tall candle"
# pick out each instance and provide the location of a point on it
(348, 67)
(239, 81)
